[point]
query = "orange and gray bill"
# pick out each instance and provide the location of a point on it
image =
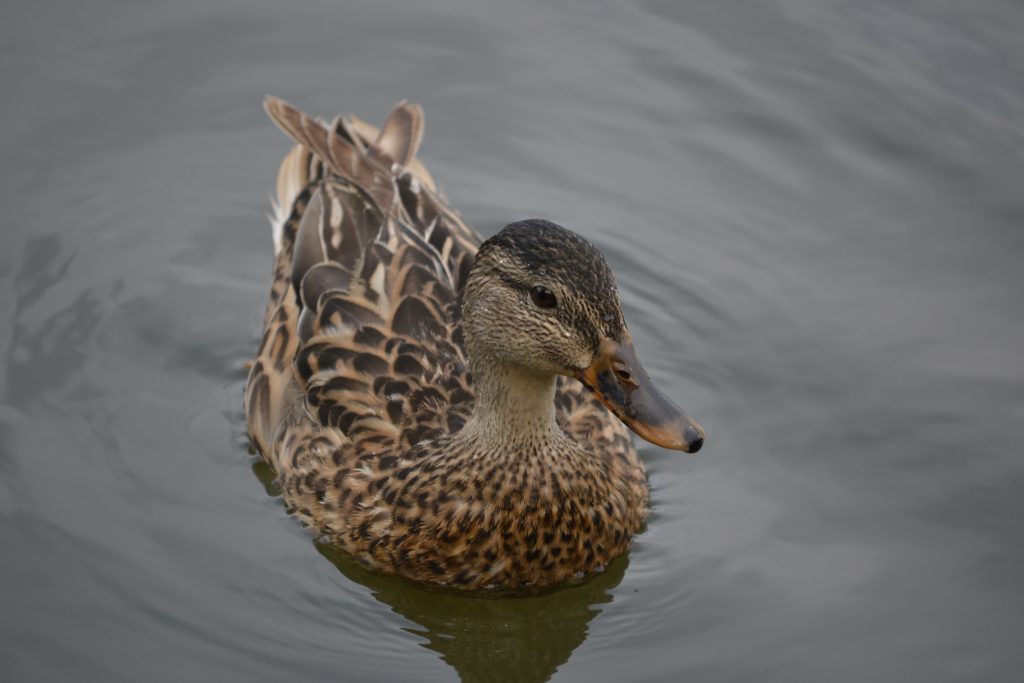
(619, 380)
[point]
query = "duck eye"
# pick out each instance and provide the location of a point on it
(543, 297)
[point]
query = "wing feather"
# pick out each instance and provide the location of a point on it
(368, 338)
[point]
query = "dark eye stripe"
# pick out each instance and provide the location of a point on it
(543, 297)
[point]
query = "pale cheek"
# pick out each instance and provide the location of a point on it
(566, 351)
(580, 359)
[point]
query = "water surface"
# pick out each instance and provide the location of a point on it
(815, 213)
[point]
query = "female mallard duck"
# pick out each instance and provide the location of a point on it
(420, 395)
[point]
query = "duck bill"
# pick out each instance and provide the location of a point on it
(620, 382)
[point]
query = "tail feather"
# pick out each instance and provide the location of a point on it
(304, 130)
(340, 155)
(402, 133)
(369, 132)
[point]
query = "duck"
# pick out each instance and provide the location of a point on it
(448, 409)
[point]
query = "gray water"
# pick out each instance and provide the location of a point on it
(815, 212)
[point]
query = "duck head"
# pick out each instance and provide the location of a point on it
(542, 300)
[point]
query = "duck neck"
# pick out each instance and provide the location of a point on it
(513, 405)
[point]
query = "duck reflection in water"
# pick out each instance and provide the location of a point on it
(523, 636)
